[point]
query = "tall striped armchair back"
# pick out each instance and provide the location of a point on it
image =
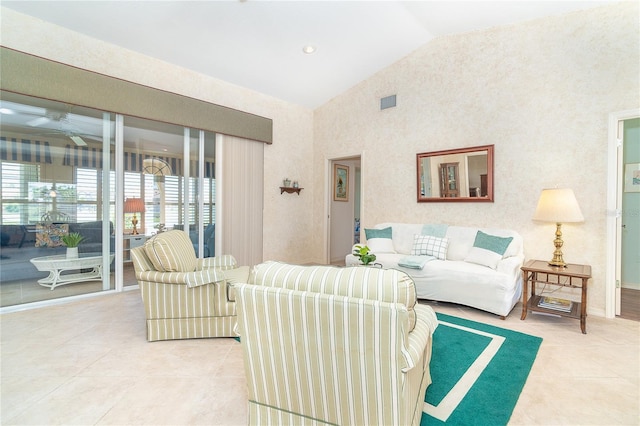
(332, 352)
(386, 285)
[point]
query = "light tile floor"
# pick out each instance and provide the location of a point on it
(22, 291)
(88, 363)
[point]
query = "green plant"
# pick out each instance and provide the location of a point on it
(364, 254)
(73, 239)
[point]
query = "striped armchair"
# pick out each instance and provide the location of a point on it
(344, 346)
(185, 297)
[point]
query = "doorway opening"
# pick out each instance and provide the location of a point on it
(344, 208)
(623, 206)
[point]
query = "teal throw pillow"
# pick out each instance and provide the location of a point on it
(491, 242)
(435, 230)
(378, 233)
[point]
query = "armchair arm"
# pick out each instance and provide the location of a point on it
(226, 261)
(426, 323)
(191, 279)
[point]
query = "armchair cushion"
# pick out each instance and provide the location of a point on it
(171, 251)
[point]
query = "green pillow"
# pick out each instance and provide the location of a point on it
(378, 233)
(491, 242)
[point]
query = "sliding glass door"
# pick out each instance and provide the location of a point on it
(55, 175)
(64, 167)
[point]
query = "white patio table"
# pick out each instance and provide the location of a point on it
(55, 265)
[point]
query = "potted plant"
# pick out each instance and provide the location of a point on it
(364, 254)
(72, 241)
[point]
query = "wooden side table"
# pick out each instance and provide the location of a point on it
(573, 275)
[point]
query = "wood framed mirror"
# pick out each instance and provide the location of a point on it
(456, 175)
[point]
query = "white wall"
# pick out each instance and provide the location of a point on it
(540, 92)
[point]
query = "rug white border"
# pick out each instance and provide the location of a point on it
(457, 393)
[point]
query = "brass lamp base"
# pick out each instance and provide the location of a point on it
(556, 263)
(134, 222)
(557, 254)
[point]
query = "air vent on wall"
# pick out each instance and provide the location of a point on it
(388, 102)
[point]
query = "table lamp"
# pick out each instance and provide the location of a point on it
(558, 206)
(134, 205)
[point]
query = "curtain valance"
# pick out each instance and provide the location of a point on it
(34, 76)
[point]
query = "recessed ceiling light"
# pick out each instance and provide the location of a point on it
(309, 49)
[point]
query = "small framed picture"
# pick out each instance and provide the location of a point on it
(340, 183)
(632, 177)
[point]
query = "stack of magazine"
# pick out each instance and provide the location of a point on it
(556, 304)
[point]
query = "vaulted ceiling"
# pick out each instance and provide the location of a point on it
(259, 44)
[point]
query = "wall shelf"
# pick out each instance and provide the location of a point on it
(290, 190)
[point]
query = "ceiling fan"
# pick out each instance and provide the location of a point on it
(64, 127)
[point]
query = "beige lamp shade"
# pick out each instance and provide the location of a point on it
(133, 205)
(558, 206)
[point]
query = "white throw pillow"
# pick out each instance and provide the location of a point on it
(483, 257)
(430, 246)
(380, 245)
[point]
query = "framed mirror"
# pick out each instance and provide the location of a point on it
(456, 175)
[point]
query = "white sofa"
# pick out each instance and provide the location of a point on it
(463, 277)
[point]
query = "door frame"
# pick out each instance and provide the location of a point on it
(328, 195)
(613, 209)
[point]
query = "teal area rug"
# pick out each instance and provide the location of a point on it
(478, 372)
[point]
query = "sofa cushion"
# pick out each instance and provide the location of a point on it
(385, 285)
(488, 249)
(171, 252)
(380, 240)
(402, 235)
(426, 245)
(91, 231)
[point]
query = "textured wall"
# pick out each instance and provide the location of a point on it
(287, 217)
(540, 91)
